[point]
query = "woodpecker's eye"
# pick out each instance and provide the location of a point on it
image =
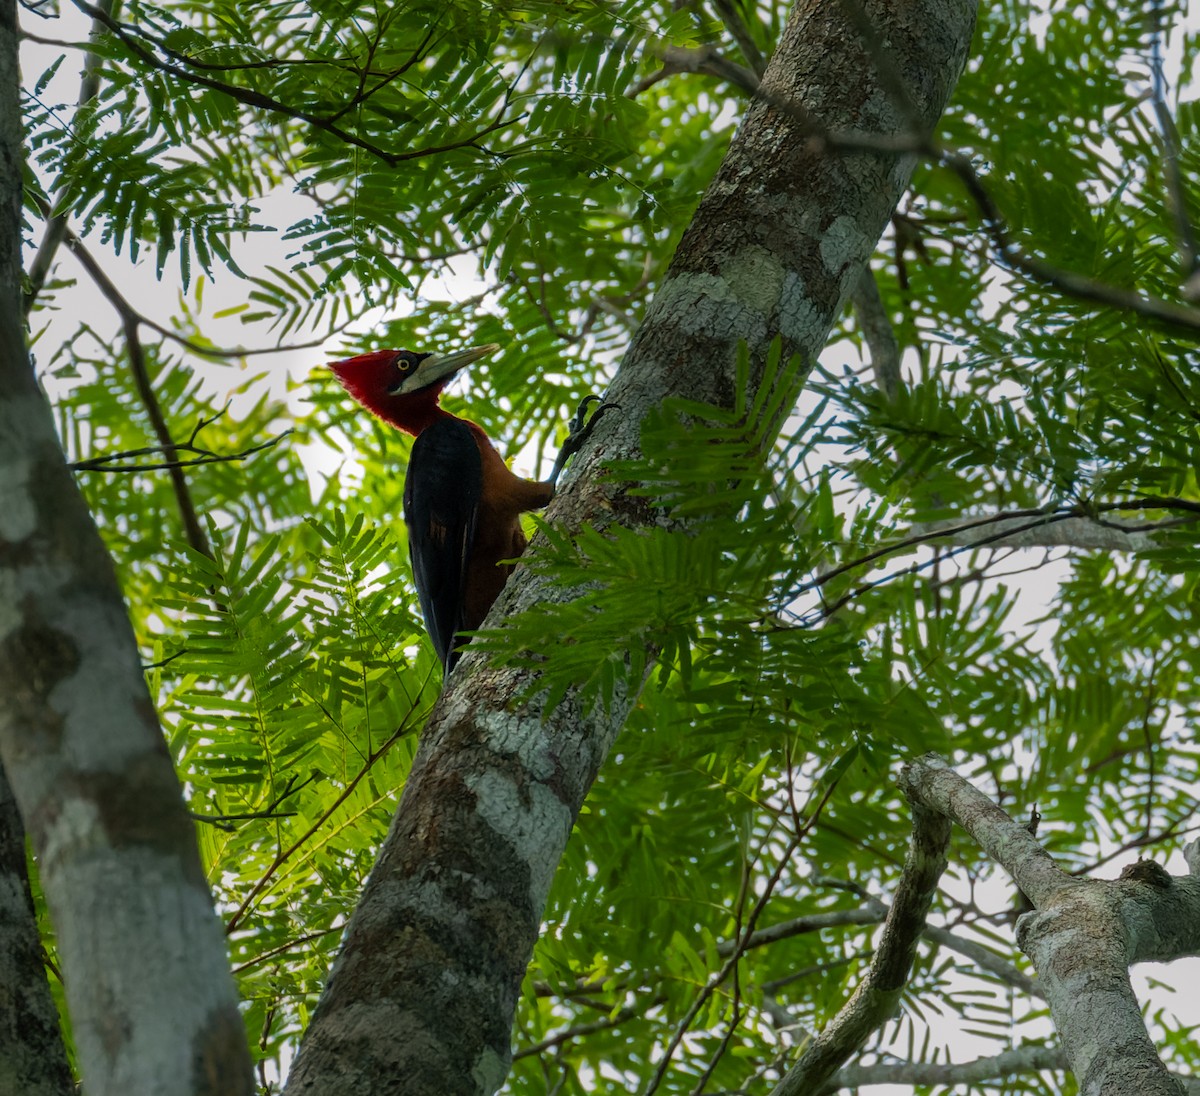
(403, 365)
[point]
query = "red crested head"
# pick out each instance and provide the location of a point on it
(402, 386)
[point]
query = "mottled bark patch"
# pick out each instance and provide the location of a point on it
(220, 1053)
(137, 806)
(34, 658)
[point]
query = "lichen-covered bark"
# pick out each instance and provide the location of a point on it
(1082, 937)
(423, 993)
(151, 999)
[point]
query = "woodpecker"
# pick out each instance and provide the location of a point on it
(462, 504)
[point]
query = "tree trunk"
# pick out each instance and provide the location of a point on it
(423, 993)
(152, 1002)
(33, 1060)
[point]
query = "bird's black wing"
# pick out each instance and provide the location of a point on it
(441, 501)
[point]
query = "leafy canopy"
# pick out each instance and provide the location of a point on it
(333, 161)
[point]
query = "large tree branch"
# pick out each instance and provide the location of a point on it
(437, 947)
(1081, 936)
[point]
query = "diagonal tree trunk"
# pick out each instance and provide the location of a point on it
(152, 1002)
(423, 993)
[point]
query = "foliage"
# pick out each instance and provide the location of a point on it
(335, 160)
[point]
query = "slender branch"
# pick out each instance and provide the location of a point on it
(878, 995)
(956, 1075)
(387, 78)
(878, 331)
(56, 226)
(119, 302)
(271, 810)
(1077, 532)
(699, 59)
(870, 914)
(1078, 286)
(731, 15)
(1172, 174)
(204, 456)
(1066, 282)
(985, 959)
(284, 948)
(193, 530)
(568, 1035)
(739, 949)
(89, 263)
(284, 855)
(1015, 525)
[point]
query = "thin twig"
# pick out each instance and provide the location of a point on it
(204, 456)
(119, 302)
(289, 946)
(193, 530)
(284, 855)
(730, 14)
(739, 949)
(878, 331)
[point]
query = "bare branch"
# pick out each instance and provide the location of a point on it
(878, 995)
(740, 944)
(870, 914)
(568, 1035)
(985, 959)
(1013, 525)
(1082, 936)
(406, 727)
(192, 528)
(1078, 286)
(1076, 532)
(1176, 194)
(934, 784)
(702, 59)
(957, 1075)
(107, 463)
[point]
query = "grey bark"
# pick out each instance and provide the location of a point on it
(1085, 533)
(151, 999)
(1082, 936)
(33, 1060)
(423, 992)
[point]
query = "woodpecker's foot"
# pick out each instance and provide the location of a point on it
(581, 430)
